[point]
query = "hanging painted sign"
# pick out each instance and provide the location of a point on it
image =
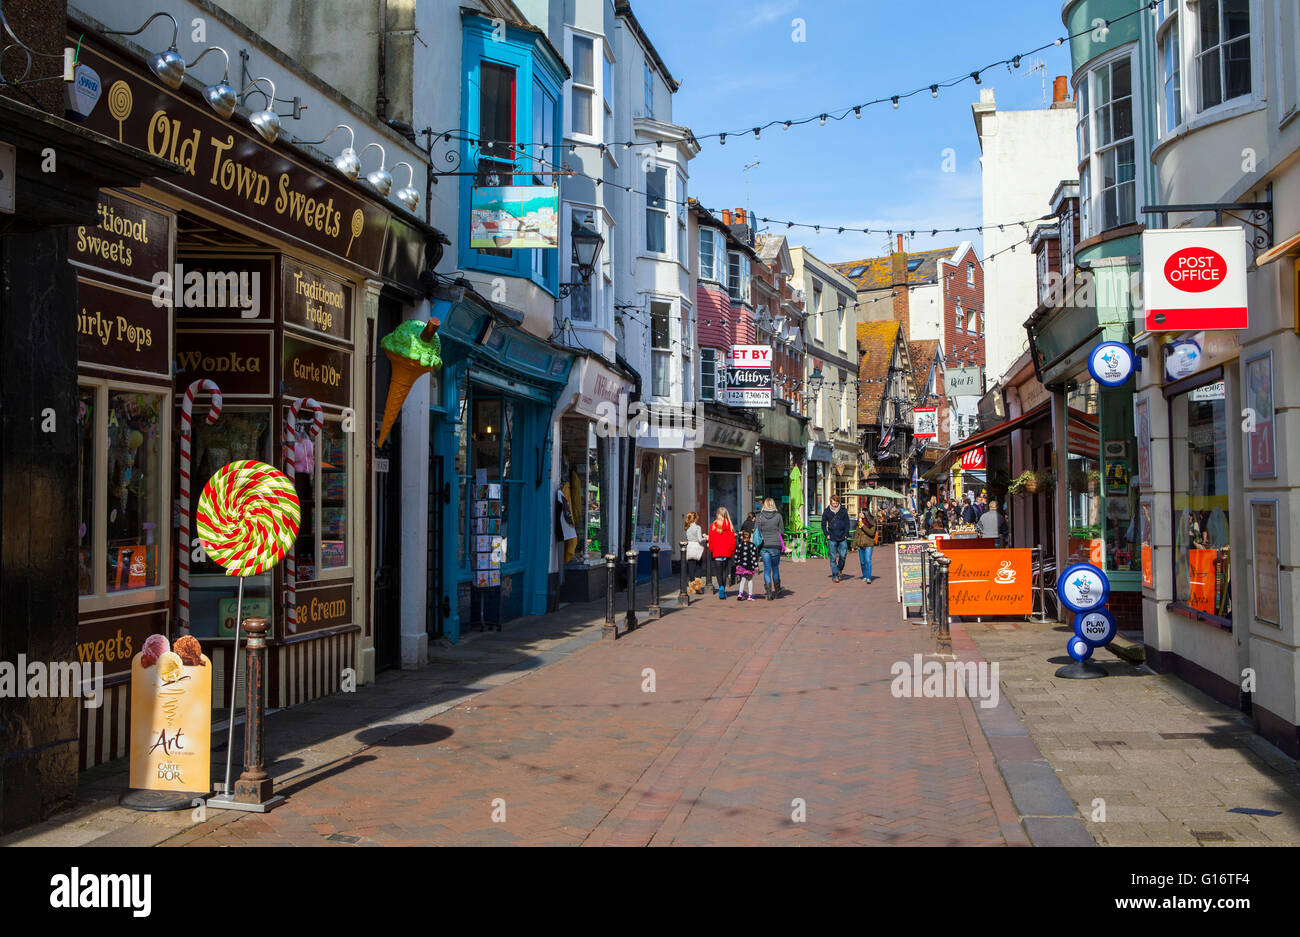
(975, 460)
(1194, 278)
(925, 422)
(749, 376)
(962, 382)
(1082, 587)
(1110, 363)
(514, 216)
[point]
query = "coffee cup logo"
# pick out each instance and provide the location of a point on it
(1006, 575)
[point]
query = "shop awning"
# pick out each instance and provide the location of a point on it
(1291, 246)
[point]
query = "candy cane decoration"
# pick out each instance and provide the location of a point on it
(290, 437)
(183, 546)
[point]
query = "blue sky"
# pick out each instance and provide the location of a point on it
(738, 59)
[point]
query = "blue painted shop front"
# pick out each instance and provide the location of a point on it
(490, 469)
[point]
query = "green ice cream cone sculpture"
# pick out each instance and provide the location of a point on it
(414, 350)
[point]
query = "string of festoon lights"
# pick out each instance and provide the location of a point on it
(895, 99)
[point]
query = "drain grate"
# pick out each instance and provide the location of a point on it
(342, 838)
(1109, 742)
(1211, 836)
(1175, 736)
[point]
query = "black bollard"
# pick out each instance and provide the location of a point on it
(925, 587)
(652, 610)
(629, 621)
(610, 630)
(684, 589)
(255, 786)
(945, 638)
(708, 569)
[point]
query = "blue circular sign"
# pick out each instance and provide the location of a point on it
(1096, 627)
(1182, 358)
(1079, 649)
(1111, 363)
(1082, 587)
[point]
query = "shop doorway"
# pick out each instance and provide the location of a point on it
(388, 504)
(724, 488)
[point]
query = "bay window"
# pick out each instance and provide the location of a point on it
(1171, 66)
(1223, 50)
(1108, 167)
(656, 211)
(738, 276)
(661, 349)
(709, 374)
(583, 94)
(711, 250)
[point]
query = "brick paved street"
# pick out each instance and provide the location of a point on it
(759, 712)
(756, 705)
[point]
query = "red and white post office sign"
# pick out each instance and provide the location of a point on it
(1194, 278)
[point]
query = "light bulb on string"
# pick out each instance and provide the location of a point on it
(934, 91)
(823, 120)
(895, 100)
(857, 112)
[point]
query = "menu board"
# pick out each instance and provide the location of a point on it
(910, 566)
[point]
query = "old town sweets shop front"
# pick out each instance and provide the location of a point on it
(185, 280)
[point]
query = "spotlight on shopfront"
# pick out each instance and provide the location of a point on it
(220, 96)
(346, 162)
(586, 249)
(408, 194)
(168, 66)
(266, 122)
(381, 180)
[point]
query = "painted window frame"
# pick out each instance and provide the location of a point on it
(742, 292)
(671, 349)
(717, 272)
(595, 88)
(1092, 155)
(669, 171)
(523, 51)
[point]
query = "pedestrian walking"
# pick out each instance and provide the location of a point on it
(747, 562)
(835, 523)
(968, 513)
(771, 529)
(992, 524)
(864, 541)
(722, 545)
(750, 520)
(694, 546)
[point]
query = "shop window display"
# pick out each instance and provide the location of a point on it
(321, 480)
(134, 489)
(491, 465)
(650, 510)
(584, 486)
(1202, 547)
(86, 419)
(238, 434)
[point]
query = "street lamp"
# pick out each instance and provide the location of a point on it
(586, 248)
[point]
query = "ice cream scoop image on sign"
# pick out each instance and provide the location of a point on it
(413, 349)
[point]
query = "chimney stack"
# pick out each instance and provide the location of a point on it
(1061, 92)
(902, 295)
(740, 216)
(726, 217)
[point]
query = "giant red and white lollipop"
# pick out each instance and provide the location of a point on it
(247, 518)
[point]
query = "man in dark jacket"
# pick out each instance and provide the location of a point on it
(968, 513)
(835, 522)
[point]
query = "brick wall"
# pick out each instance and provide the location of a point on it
(1127, 609)
(962, 347)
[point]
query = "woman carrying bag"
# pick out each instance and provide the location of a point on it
(864, 541)
(694, 546)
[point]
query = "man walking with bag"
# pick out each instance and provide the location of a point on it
(835, 522)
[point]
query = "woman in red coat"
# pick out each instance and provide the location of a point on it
(722, 545)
